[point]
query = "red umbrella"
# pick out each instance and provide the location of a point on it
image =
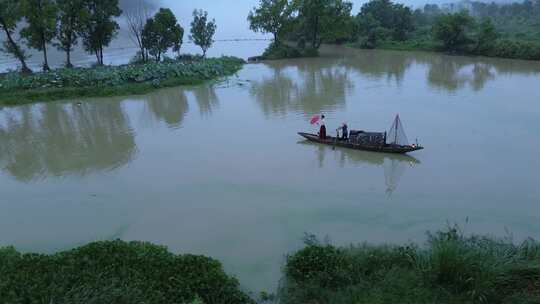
(315, 119)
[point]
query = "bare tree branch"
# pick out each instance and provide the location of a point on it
(136, 18)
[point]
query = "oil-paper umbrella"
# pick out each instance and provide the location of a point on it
(315, 119)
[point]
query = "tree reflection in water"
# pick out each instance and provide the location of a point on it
(444, 72)
(307, 86)
(377, 64)
(55, 139)
(206, 98)
(169, 105)
(314, 85)
(394, 165)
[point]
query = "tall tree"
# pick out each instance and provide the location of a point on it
(10, 14)
(99, 27)
(453, 30)
(136, 18)
(340, 25)
(397, 19)
(271, 16)
(202, 30)
(318, 20)
(161, 33)
(70, 17)
(40, 27)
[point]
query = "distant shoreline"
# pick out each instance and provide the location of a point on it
(424, 46)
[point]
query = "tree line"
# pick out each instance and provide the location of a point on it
(65, 23)
(468, 27)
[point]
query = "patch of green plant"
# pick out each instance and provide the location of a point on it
(283, 51)
(451, 268)
(515, 49)
(16, 88)
(115, 272)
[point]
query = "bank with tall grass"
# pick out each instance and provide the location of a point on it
(16, 88)
(450, 269)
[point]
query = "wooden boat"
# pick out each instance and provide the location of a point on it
(386, 148)
(371, 141)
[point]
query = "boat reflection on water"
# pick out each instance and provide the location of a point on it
(394, 165)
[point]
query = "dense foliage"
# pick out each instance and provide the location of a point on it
(499, 30)
(281, 50)
(453, 30)
(517, 20)
(318, 21)
(452, 268)
(11, 13)
(112, 80)
(502, 30)
(395, 19)
(115, 272)
(161, 33)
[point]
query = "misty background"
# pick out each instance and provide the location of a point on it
(230, 16)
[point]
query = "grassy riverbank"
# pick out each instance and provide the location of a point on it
(508, 49)
(450, 269)
(115, 272)
(16, 88)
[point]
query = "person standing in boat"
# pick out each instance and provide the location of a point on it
(322, 130)
(344, 131)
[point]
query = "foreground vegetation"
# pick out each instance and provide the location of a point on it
(452, 268)
(16, 88)
(115, 272)
(472, 28)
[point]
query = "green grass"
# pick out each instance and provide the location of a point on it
(130, 79)
(451, 268)
(512, 46)
(115, 272)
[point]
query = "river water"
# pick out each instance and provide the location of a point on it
(218, 169)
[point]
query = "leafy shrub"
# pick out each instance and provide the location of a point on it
(283, 51)
(189, 57)
(115, 272)
(515, 49)
(451, 268)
